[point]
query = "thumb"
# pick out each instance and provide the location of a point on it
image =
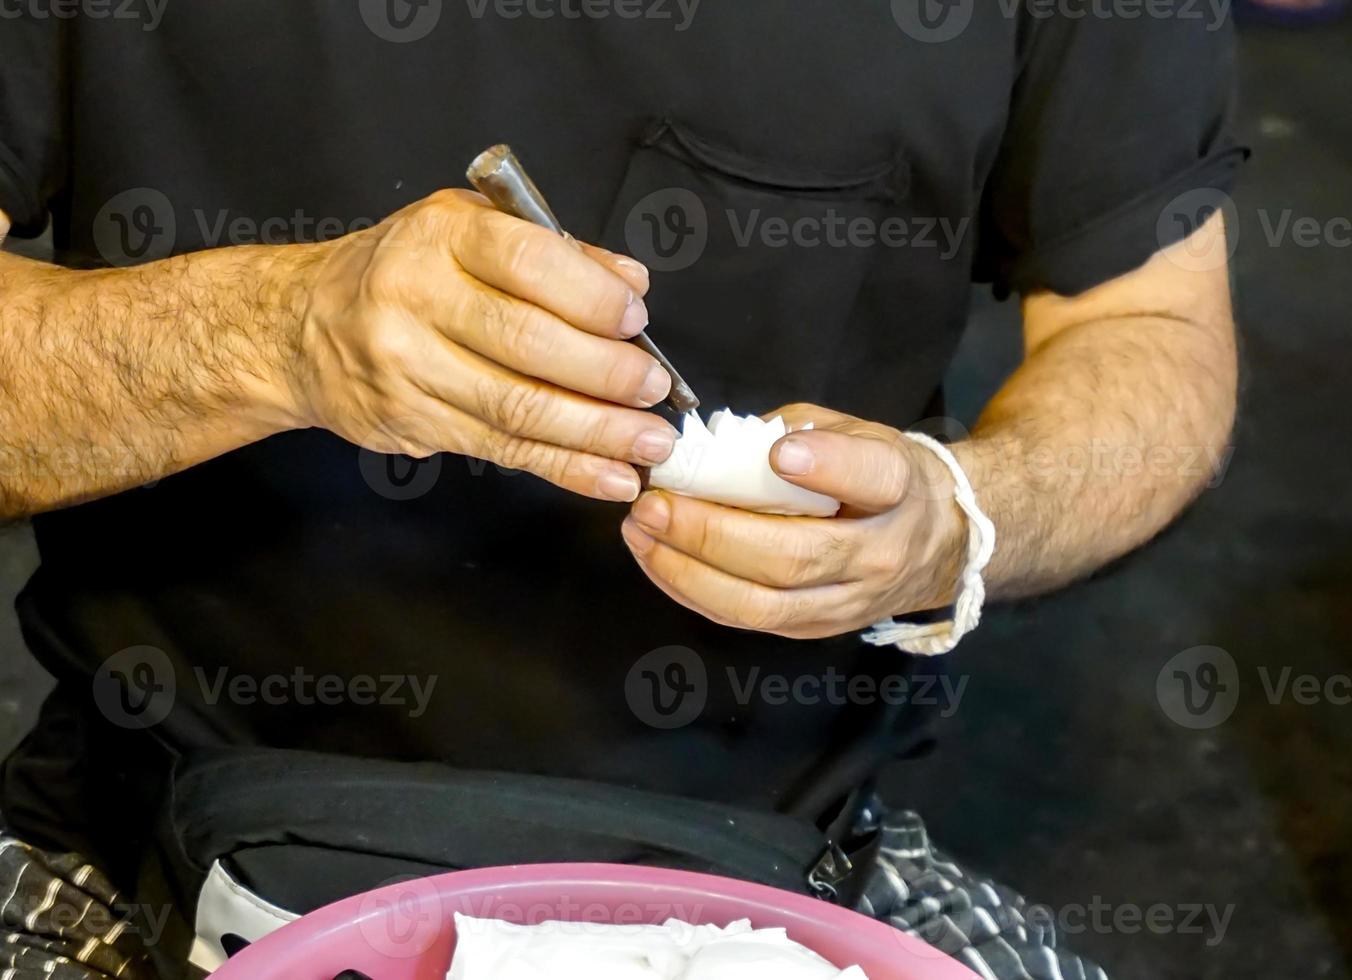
(867, 472)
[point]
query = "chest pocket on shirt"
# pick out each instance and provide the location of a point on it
(756, 266)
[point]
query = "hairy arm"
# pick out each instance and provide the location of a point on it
(448, 327)
(1118, 417)
(113, 378)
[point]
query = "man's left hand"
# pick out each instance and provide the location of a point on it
(895, 547)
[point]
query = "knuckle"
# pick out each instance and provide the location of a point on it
(802, 560)
(445, 212)
(798, 608)
(879, 564)
(389, 347)
(522, 251)
(835, 552)
(597, 433)
(514, 407)
(605, 304)
(756, 616)
(438, 218)
(762, 613)
(416, 450)
(897, 476)
(446, 198)
(384, 281)
(626, 372)
(490, 445)
(796, 414)
(518, 454)
(708, 536)
(526, 338)
(489, 316)
(860, 610)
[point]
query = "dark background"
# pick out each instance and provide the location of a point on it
(1060, 772)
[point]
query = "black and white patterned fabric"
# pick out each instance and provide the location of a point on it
(984, 925)
(62, 920)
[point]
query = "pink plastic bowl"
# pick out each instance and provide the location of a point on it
(406, 931)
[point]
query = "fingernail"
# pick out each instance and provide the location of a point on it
(635, 538)
(656, 385)
(634, 266)
(794, 458)
(635, 319)
(616, 486)
(654, 513)
(655, 445)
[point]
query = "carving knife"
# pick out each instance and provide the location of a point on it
(498, 175)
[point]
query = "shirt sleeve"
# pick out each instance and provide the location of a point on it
(1114, 122)
(32, 118)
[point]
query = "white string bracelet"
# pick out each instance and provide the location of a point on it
(931, 639)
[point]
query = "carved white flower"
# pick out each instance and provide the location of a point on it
(728, 462)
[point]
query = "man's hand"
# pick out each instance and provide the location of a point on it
(1118, 417)
(452, 327)
(896, 547)
(448, 327)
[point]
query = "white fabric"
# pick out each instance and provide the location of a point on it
(728, 462)
(227, 908)
(935, 638)
(487, 949)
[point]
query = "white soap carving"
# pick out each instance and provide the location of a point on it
(728, 462)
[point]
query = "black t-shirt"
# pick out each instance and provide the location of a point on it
(815, 185)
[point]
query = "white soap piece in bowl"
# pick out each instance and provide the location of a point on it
(487, 949)
(765, 953)
(728, 462)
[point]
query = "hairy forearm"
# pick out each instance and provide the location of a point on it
(113, 378)
(1102, 437)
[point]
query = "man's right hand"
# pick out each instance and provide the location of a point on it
(451, 327)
